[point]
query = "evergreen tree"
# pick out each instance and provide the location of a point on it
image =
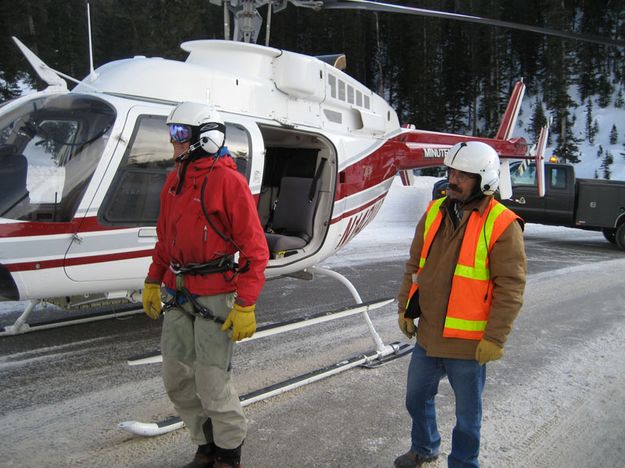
(538, 119)
(606, 164)
(456, 76)
(619, 102)
(605, 92)
(568, 150)
(613, 135)
(591, 125)
(559, 65)
(8, 88)
(567, 147)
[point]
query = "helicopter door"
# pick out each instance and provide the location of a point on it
(128, 201)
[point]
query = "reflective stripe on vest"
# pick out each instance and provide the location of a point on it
(471, 290)
(432, 223)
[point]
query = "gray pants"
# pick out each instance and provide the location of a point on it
(196, 372)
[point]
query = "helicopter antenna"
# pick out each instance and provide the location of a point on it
(92, 72)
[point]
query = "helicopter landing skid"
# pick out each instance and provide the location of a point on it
(380, 355)
(21, 325)
(367, 360)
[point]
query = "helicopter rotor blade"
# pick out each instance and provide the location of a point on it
(390, 8)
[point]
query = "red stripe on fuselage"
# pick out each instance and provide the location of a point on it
(370, 171)
(358, 209)
(37, 228)
(65, 262)
(34, 228)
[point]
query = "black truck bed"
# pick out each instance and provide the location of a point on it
(599, 202)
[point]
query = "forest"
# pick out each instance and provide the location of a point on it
(438, 74)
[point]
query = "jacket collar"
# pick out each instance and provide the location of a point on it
(200, 168)
(480, 204)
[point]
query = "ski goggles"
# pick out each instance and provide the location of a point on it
(179, 133)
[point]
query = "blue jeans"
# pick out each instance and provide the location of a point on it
(467, 378)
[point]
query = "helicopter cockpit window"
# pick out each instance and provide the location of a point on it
(134, 196)
(49, 150)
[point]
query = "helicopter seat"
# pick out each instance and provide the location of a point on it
(292, 222)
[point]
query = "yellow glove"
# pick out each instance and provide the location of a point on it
(406, 325)
(152, 300)
(242, 321)
(488, 351)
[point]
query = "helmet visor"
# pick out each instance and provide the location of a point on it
(179, 133)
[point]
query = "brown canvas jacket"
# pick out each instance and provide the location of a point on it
(507, 268)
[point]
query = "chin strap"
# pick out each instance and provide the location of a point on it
(185, 154)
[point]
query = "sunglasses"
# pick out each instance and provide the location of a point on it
(179, 133)
(460, 176)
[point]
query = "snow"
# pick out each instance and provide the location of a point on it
(605, 118)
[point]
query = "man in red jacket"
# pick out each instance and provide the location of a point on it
(207, 214)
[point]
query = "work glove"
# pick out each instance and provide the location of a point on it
(406, 325)
(152, 300)
(488, 351)
(242, 321)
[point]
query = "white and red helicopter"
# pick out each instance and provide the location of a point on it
(81, 169)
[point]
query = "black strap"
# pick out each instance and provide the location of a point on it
(272, 210)
(198, 308)
(313, 184)
(221, 265)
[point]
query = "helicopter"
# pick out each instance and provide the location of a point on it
(82, 169)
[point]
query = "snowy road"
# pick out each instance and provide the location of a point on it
(556, 400)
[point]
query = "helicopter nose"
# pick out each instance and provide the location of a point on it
(8, 289)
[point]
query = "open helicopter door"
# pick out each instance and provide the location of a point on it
(297, 194)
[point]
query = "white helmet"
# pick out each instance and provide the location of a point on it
(479, 158)
(208, 129)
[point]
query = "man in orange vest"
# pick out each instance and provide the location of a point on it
(465, 280)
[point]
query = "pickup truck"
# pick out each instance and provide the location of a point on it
(592, 204)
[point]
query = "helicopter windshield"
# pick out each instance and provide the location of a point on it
(49, 149)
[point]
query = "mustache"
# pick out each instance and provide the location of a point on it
(453, 187)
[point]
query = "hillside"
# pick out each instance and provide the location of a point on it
(590, 165)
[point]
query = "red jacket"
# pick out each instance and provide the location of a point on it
(184, 235)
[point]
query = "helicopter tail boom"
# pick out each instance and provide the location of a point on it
(421, 149)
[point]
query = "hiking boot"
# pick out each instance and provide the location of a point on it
(226, 464)
(413, 460)
(204, 457)
(227, 458)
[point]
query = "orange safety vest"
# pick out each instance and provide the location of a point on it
(471, 289)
